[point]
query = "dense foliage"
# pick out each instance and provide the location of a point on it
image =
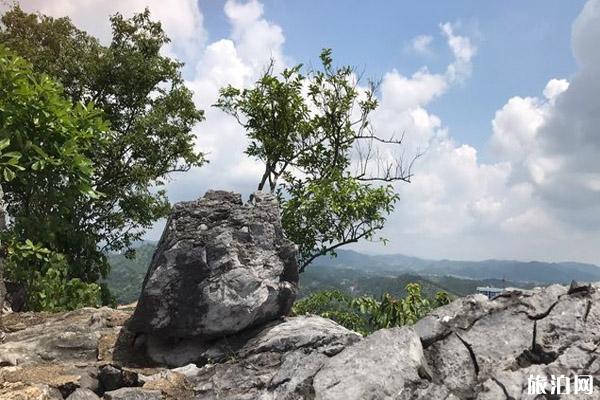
(366, 314)
(307, 130)
(47, 277)
(44, 141)
(150, 113)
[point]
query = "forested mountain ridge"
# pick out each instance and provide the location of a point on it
(510, 270)
(361, 274)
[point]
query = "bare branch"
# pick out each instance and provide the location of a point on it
(322, 252)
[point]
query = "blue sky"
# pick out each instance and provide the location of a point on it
(521, 45)
(503, 95)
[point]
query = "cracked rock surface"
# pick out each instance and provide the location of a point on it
(473, 348)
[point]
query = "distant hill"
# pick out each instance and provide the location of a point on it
(359, 274)
(515, 271)
(126, 275)
(358, 282)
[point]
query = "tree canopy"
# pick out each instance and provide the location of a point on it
(150, 116)
(313, 134)
(44, 142)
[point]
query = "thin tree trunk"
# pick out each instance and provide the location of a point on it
(2, 286)
(264, 178)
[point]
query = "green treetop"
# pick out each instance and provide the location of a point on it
(313, 134)
(150, 112)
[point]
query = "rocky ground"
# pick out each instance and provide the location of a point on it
(473, 348)
(211, 324)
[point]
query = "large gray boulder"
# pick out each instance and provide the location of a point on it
(220, 267)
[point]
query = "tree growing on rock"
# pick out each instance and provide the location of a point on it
(313, 134)
(151, 114)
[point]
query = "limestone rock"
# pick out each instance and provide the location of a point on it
(112, 378)
(64, 378)
(220, 267)
(83, 394)
(473, 348)
(133, 394)
(279, 362)
(33, 338)
(173, 386)
(382, 366)
(21, 391)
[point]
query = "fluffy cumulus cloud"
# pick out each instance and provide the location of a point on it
(258, 41)
(554, 140)
(400, 93)
(237, 60)
(181, 19)
(539, 199)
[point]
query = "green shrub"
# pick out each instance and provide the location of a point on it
(46, 273)
(366, 314)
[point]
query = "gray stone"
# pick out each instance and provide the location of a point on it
(383, 366)
(211, 277)
(278, 362)
(473, 348)
(72, 337)
(112, 378)
(30, 392)
(133, 394)
(83, 394)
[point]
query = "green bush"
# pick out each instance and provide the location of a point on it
(366, 314)
(45, 173)
(49, 287)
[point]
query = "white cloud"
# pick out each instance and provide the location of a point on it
(515, 127)
(181, 19)
(238, 61)
(463, 50)
(400, 92)
(422, 44)
(541, 199)
(258, 40)
(554, 88)
(554, 141)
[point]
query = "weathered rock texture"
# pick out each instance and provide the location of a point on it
(474, 348)
(221, 266)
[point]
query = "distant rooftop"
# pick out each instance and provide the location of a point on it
(489, 289)
(490, 292)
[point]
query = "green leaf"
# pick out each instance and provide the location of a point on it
(9, 175)
(4, 143)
